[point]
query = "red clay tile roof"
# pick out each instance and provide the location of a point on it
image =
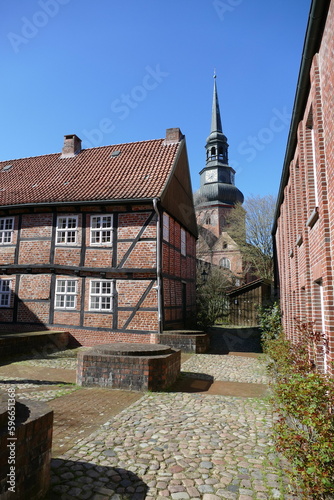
(140, 171)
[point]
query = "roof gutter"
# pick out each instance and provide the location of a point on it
(315, 27)
(114, 201)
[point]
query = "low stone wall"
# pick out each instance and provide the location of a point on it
(187, 341)
(25, 461)
(41, 342)
(138, 367)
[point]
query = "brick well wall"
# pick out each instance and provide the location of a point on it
(32, 450)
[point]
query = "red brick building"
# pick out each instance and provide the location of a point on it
(99, 242)
(304, 221)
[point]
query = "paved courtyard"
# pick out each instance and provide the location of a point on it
(208, 438)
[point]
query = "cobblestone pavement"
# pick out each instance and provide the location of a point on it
(180, 446)
(50, 357)
(170, 445)
(231, 368)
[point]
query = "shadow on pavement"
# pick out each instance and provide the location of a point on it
(192, 382)
(35, 382)
(73, 480)
(235, 340)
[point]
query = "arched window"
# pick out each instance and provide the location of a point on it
(208, 220)
(221, 155)
(213, 153)
(225, 263)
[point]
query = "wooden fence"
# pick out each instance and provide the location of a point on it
(246, 300)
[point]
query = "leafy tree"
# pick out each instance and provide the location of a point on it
(211, 297)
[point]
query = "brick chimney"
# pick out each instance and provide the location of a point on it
(71, 147)
(173, 135)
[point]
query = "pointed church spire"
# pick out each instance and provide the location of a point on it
(216, 123)
(216, 143)
(217, 177)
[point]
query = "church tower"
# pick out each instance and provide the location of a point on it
(216, 197)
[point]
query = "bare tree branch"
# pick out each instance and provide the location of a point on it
(250, 226)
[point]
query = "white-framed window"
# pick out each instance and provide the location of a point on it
(226, 263)
(66, 294)
(67, 229)
(6, 230)
(100, 297)
(183, 242)
(165, 228)
(5, 292)
(101, 229)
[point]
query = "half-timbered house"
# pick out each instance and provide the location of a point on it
(99, 242)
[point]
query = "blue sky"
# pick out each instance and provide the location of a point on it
(114, 72)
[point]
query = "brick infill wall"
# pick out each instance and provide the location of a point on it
(138, 367)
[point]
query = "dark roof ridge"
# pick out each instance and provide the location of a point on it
(84, 149)
(28, 157)
(122, 144)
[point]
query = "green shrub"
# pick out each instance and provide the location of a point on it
(304, 402)
(270, 322)
(279, 352)
(305, 430)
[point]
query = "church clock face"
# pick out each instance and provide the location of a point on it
(211, 175)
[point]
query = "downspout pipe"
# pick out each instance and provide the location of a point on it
(159, 265)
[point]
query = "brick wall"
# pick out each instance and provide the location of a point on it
(213, 218)
(179, 271)
(214, 242)
(305, 227)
